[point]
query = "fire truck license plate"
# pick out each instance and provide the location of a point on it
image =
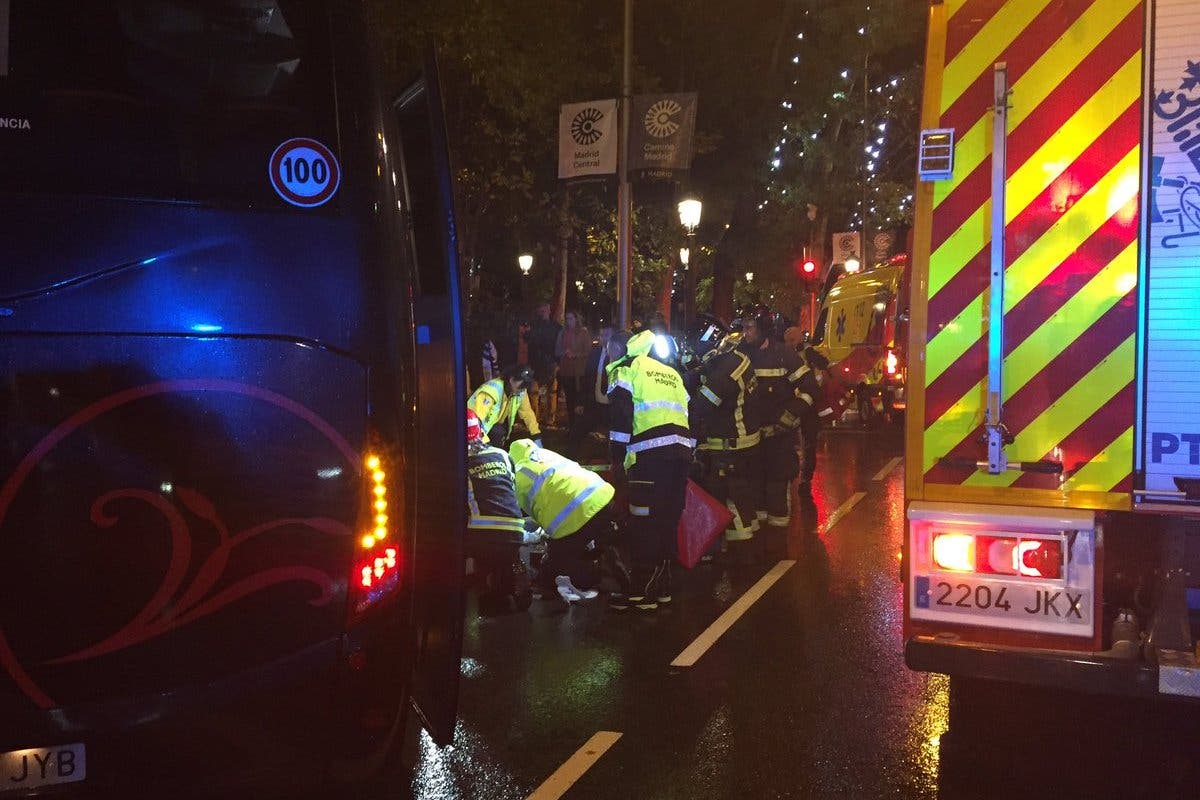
(1017, 602)
(42, 766)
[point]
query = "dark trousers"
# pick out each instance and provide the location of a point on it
(657, 493)
(730, 476)
(575, 555)
(780, 466)
(571, 391)
(809, 428)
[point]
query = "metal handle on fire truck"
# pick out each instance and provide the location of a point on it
(997, 461)
(1043, 467)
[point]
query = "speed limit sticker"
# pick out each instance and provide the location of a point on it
(304, 172)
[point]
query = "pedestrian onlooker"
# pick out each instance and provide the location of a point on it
(491, 359)
(542, 338)
(572, 348)
(591, 413)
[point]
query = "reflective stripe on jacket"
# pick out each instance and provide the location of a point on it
(491, 493)
(560, 495)
(723, 403)
(649, 406)
(492, 404)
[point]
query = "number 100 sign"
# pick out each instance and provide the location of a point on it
(304, 172)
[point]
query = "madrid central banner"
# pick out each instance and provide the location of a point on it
(587, 139)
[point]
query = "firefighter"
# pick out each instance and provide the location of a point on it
(810, 423)
(786, 393)
(495, 527)
(725, 423)
(574, 507)
(651, 445)
(500, 401)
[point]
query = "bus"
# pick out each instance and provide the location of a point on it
(232, 493)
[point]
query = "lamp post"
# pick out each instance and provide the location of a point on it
(525, 262)
(689, 217)
(749, 277)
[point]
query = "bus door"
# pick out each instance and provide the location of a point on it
(441, 501)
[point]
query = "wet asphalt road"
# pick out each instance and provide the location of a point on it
(807, 695)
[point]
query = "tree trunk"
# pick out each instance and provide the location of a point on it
(664, 294)
(741, 227)
(564, 257)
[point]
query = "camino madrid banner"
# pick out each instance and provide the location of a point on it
(847, 245)
(587, 139)
(661, 127)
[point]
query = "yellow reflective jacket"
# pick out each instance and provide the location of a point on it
(560, 495)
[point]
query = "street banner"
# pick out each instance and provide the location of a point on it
(661, 128)
(847, 245)
(1170, 447)
(587, 139)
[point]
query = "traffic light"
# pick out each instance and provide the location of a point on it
(807, 269)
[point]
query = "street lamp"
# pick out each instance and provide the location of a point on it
(853, 265)
(579, 286)
(689, 214)
(749, 277)
(689, 218)
(525, 262)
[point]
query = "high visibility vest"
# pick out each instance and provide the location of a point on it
(491, 404)
(491, 494)
(660, 407)
(560, 495)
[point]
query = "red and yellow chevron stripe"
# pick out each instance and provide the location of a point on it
(1071, 211)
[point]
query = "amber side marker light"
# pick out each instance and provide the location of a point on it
(377, 565)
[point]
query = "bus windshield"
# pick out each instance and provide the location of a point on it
(180, 100)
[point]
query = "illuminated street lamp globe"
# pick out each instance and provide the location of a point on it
(689, 213)
(853, 265)
(525, 262)
(749, 277)
(684, 255)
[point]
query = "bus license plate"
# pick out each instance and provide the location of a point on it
(42, 766)
(1018, 602)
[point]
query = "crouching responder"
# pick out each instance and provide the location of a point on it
(726, 424)
(499, 402)
(573, 506)
(652, 446)
(786, 392)
(495, 526)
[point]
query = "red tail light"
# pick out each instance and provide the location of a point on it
(998, 555)
(893, 363)
(377, 563)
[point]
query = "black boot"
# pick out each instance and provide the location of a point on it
(663, 588)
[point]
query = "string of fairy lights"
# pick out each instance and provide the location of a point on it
(802, 126)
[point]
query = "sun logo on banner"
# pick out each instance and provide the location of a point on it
(660, 119)
(585, 128)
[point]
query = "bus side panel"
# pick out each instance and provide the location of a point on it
(1072, 184)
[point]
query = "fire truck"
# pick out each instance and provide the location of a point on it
(1052, 439)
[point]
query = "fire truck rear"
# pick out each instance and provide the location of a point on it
(1053, 440)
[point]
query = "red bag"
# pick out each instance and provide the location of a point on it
(704, 519)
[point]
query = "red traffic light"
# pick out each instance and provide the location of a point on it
(808, 267)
